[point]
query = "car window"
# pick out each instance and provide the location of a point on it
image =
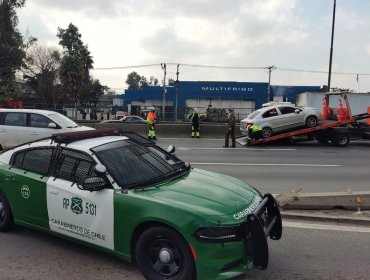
(62, 120)
(286, 110)
(36, 160)
(270, 113)
(74, 166)
(15, 119)
(39, 121)
(132, 164)
(2, 116)
(253, 115)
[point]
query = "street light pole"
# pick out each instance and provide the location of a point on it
(331, 44)
(270, 68)
(164, 89)
(177, 90)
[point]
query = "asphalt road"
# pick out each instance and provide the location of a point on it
(305, 251)
(309, 166)
(302, 253)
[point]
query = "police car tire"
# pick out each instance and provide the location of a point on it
(162, 238)
(6, 216)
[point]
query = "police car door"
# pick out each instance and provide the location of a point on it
(81, 214)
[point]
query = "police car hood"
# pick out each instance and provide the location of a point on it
(207, 193)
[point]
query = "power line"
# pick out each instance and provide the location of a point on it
(228, 67)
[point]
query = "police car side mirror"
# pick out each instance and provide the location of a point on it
(297, 111)
(52, 125)
(94, 184)
(171, 149)
(100, 169)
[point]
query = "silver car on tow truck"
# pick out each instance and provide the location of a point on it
(281, 117)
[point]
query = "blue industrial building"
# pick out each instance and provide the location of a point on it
(243, 97)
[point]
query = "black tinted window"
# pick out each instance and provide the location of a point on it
(39, 121)
(35, 160)
(287, 110)
(270, 113)
(74, 166)
(15, 119)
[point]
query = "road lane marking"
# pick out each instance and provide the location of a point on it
(266, 164)
(231, 149)
(326, 227)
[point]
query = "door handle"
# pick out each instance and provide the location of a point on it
(34, 133)
(54, 192)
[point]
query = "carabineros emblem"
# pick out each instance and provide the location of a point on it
(76, 205)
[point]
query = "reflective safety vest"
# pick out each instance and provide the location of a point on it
(255, 128)
(151, 118)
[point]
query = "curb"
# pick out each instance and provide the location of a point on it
(325, 201)
(349, 219)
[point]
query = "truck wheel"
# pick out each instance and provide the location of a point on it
(266, 132)
(311, 121)
(6, 216)
(161, 253)
(340, 140)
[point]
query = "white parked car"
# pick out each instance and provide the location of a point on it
(279, 118)
(18, 126)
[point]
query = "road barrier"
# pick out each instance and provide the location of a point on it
(207, 130)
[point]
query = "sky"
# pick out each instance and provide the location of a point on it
(214, 40)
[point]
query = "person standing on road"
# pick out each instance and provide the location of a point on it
(195, 123)
(151, 120)
(230, 130)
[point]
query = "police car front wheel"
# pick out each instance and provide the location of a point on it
(161, 253)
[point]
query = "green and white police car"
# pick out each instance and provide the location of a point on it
(118, 192)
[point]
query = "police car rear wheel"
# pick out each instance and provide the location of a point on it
(161, 253)
(6, 216)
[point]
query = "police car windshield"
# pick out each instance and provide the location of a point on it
(134, 165)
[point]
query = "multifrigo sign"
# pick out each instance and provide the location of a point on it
(212, 88)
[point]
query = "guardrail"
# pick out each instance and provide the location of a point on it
(169, 129)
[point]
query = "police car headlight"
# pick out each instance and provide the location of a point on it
(219, 234)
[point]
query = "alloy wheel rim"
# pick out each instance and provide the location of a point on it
(165, 258)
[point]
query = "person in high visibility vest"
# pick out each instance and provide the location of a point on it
(254, 133)
(195, 124)
(151, 119)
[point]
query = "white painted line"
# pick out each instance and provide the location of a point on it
(347, 228)
(231, 149)
(265, 164)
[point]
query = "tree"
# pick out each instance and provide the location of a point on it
(153, 81)
(12, 53)
(92, 93)
(41, 72)
(76, 62)
(135, 81)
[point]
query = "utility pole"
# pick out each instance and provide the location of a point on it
(331, 44)
(177, 90)
(270, 68)
(164, 89)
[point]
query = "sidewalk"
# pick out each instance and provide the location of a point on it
(334, 207)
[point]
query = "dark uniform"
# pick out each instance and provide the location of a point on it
(230, 130)
(194, 117)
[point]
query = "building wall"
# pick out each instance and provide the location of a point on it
(240, 92)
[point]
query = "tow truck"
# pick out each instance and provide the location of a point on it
(338, 126)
